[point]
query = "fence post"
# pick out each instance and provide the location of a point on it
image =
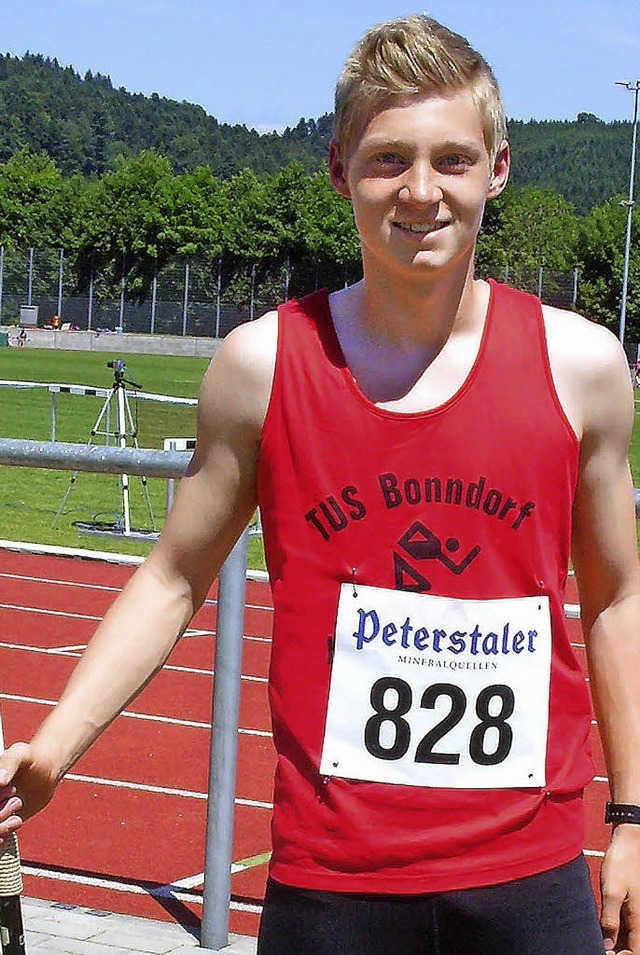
(1, 275)
(30, 289)
(60, 274)
(540, 273)
(575, 287)
(287, 277)
(219, 293)
(122, 287)
(185, 300)
(90, 311)
(154, 294)
(252, 302)
(224, 747)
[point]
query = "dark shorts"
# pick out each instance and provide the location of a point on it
(540, 915)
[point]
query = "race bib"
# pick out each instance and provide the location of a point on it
(435, 691)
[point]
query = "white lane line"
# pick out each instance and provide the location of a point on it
(81, 616)
(192, 882)
(162, 790)
(61, 583)
(50, 613)
(133, 888)
(76, 652)
(84, 616)
(50, 651)
(572, 611)
(150, 717)
(594, 852)
(209, 602)
(212, 602)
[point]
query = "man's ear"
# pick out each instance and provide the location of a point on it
(501, 168)
(337, 170)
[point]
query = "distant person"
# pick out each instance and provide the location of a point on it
(428, 451)
(22, 337)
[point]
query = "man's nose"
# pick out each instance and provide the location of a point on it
(420, 185)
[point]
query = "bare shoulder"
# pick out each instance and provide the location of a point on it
(573, 338)
(237, 384)
(590, 370)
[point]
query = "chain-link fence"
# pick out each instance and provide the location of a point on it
(553, 287)
(200, 297)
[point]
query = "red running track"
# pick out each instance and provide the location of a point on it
(126, 830)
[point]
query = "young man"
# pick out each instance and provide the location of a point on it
(428, 450)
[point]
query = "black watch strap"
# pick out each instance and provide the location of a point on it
(619, 812)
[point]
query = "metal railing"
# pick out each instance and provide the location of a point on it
(227, 664)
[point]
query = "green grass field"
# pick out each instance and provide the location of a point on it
(30, 497)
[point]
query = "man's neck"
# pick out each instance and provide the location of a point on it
(420, 312)
(392, 330)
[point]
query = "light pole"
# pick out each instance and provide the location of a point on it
(629, 203)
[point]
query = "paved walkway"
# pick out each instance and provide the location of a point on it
(57, 929)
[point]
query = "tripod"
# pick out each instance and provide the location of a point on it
(125, 428)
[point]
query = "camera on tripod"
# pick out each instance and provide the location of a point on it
(119, 368)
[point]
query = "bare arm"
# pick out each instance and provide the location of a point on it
(599, 399)
(214, 502)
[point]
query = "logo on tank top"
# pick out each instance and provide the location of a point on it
(421, 544)
(424, 494)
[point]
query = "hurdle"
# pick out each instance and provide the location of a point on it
(55, 389)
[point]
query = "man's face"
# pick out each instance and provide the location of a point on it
(419, 175)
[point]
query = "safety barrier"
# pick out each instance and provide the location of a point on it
(227, 664)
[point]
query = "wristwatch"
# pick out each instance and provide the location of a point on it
(618, 812)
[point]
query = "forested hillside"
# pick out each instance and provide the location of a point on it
(84, 125)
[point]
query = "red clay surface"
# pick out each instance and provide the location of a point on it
(126, 831)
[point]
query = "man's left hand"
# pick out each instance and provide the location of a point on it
(620, 885)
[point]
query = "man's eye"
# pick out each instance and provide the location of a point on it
(389, 159)
(455, 162)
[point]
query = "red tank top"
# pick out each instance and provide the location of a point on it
(470, 501)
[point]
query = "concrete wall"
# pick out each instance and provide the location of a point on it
(123, 344)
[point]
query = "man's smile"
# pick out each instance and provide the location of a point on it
(420, 228)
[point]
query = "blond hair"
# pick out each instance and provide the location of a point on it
(412, 56)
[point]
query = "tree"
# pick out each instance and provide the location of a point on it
(528, 229)
(37, 204)
(127, 222)
(331, 235)
(601, 245)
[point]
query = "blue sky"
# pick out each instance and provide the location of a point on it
(266, 64)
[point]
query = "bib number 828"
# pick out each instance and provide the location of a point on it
(480, 754)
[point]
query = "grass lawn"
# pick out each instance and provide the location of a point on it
(30, 497)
